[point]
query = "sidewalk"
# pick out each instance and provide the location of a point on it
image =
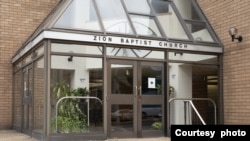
(12, 135)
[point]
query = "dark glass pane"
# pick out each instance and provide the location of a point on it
(152, 117)
(160, 6)
(122, 79)
(121, 118)
(151, 80)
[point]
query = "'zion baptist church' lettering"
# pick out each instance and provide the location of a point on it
(138, 42)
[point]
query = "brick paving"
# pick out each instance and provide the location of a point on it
(12, 135)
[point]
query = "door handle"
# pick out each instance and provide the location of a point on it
(136, 91)
(139, 93)
(139, 90)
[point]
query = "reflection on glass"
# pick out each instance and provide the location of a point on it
(200, 32)
(77, 17)
(39, 95)
(201, 58)
(156, 55)
(121, 118)
(152, 117)
(151, 80)
(27, 59)
(80, 77)
(160, 6)
(113, 16)
(122, 79)
(145, 25)
(75, 48)
(195, 81)
(186, 9)
(168, 19)
(138, 6)
(127, 52)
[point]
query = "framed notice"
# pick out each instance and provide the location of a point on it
(151, 83)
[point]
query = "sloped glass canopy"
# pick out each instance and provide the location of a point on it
(170, 20)
(173, 20)
(79, 18)
(194, 20)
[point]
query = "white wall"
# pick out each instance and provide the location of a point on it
(181, 79)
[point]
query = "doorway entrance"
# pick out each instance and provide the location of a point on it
(136, 98)
(27, 100)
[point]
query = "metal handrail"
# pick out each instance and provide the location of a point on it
(196, 111)
(74, 97)
(190, 100)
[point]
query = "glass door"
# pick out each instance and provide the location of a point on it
(151, 99)
(136, 99)
(27, 100)
(122, 104)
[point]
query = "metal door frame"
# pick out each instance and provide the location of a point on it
(114, 99)
(27, 101)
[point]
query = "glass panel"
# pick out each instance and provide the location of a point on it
(193, 57)
(25, 117)
(26, 100)
(74, 48)
(126, 52)
(168, 20)
(145, 25)
(113, 16)
(193, 81)
(17, 100)
(30, 106)
(121, 118)
(80, 77)
(39, 51)
(79, 15)
(138, 6)
(27, 59)
(200, 32)
(160, 6)
(152, 117)
(156, 55)
(151, 80)
(18, 65)
(187, 10)
(122, 79)
(39, 96)
(140, 53)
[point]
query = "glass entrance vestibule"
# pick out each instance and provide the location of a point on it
(136, 78)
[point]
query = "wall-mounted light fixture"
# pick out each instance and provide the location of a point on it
(233, 32)
(70, 59)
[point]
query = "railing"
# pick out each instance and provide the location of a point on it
(188, 102)
(75, 97)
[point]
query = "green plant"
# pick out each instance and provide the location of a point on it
(171, 89)
(157, 125)
(70, 117)
(158, 87)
